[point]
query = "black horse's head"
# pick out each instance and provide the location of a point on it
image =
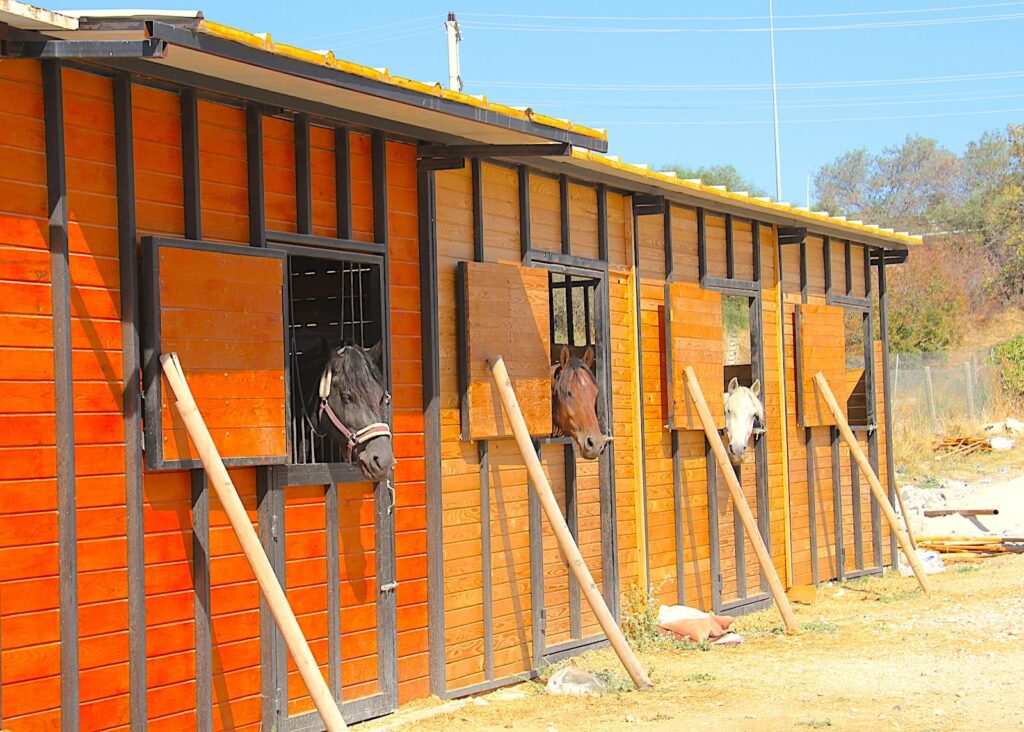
(354, 408)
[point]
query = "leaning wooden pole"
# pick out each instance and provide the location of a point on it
(251, 546)
(876, 487)
(740, 501)
(570, 550)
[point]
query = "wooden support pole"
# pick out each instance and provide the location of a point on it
(902, 536)
(250, 543)
(929, 393)
(570, 551)
(739, 501)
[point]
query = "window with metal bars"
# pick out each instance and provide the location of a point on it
(573, 313)
(333, 301)
(736, 341)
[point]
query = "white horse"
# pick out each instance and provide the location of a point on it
(744, 413)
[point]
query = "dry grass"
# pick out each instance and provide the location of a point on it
(875, 653)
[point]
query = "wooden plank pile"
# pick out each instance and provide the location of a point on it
(961, 446)
(977, 545)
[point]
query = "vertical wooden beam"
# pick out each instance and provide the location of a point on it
(190, 163)
(826, 249)
(784, 413)
(639, 451)
(429, 344)
(849, 268)
(837, 505)
(669, 254)
(702, 245)
(537, 612)
(478, 209)
(343, 182)
(524, 212)
(870, 381)
(883, 325)
(602, 222)
(254, 156)
(333, 550)
(131, 402)
(201, 599)
(487, 582)
(572, 520)
(714, 530)
(730, 249)
(812, 513)
(677, 512)
(563, 208)
(191, 187)
(60, 294)
(303, 177)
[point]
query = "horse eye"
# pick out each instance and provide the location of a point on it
(386, 399)
(346, 398)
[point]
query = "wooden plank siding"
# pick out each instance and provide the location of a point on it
(29, 616)
(663, 516)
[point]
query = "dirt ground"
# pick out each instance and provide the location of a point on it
(874, 654)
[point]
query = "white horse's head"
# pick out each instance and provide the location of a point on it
(743, 413)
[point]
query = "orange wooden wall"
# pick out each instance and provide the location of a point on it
(29, 614)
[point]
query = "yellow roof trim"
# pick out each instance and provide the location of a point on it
(321, 58)
(671, 181)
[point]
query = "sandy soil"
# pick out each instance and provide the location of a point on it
(875, 654)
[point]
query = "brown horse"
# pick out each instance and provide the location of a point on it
(574, 395)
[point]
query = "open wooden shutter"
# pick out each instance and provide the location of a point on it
(694, 334)
(821, 347)
(220, 308)
(507, 313)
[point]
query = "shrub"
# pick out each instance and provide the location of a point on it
(1010, 357)
(927, 304)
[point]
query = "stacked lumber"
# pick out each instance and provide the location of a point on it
(961, 446)
(979, 545)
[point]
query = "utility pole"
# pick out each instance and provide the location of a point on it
(451, 28)
(775, 104)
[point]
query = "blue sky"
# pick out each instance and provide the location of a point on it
(693, 85)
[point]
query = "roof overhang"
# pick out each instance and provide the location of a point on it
(208, 50)
(637, 179)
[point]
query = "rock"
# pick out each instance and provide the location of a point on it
(574, 682)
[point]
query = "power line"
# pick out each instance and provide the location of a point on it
(823, 104)
(338, 34)
(952, 78)
(930, 22)
(833, 120)
(698, 18)
(383, 39)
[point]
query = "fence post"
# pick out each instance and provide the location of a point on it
(969, 376)
(930, 396)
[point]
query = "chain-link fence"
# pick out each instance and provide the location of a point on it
(938, 389)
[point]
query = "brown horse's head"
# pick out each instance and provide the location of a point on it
(574, 403)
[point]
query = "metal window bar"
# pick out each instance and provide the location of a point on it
(345, 308)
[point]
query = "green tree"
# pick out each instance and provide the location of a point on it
(914, 186)
(716, 175)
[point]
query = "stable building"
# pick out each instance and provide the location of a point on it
(171, 184)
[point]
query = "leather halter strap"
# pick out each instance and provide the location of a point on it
(352, 439)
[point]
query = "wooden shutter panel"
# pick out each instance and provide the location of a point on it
(821, 348)
(507, 310)
(220, 308)
(695, 338)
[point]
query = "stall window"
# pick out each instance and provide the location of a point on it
(333, 300)
(856, 383)
(736, 344)
(573, 313)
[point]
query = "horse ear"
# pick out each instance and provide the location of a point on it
(588, 357)
(563, 359)
(756, 387)
(733, 384)
(376, 353)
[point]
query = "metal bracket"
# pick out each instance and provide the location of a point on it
(557, 149)
(792, 234)
(389, 587)
(60, 49)
(646, 205)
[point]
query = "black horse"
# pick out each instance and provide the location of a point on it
(351, 407)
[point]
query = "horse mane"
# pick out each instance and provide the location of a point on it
(558, 373)
(353, 366)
